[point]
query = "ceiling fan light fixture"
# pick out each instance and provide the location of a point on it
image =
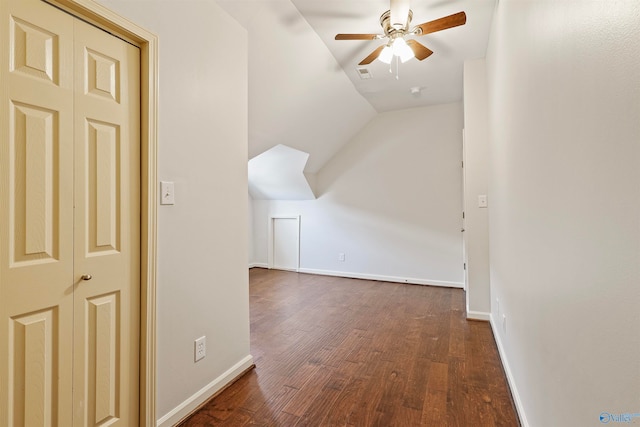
(395, 28)
(405, 56)
(386, 55)
(402, 50)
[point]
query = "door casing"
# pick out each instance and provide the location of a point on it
(102, 17)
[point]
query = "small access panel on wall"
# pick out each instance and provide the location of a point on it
(284, 242)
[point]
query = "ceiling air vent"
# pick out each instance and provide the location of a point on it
(363, 73)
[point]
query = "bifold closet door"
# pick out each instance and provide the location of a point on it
(68, 347)
(36, 215)
(106, 229)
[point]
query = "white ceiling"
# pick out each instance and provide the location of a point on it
(277, 174)
(304, 90)
(298, 95)
(439, 76)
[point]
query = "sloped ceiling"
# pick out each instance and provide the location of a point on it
(304, 90)
(277, 174)
(439, 77)
(298, 94)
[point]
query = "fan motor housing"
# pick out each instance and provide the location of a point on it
(385, 22)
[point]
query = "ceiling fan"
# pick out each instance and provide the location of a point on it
(395, 23)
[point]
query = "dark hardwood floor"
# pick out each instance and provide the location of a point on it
(341, 352)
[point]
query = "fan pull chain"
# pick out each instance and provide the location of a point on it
(397, 67)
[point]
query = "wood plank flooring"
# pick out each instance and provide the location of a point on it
(342, 352)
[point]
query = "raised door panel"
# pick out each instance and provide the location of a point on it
(36, 217)
(103, 356)
(107, 180)
(102, 178)
(34, 146)
(33, 371)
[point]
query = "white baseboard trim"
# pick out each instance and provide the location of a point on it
(205, 393)
(478, 315)
(507, 370)
(258, 265)
(394, 279)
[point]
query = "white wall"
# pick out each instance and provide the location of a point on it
(202, 252)
(564, 91)
(390, 200)
(476, 169)
(250, 256)
(299, 94)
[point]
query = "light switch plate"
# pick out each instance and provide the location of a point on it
(482, 201)
(167, 193)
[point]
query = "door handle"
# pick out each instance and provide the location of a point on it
(462, 230)
(86, 277)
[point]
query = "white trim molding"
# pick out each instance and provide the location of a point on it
(478, 315)
(382, 278)
(258, 265)
(510, 378)
(205, 393)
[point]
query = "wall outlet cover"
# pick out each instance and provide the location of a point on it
(200, 348)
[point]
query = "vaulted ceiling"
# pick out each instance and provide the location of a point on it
(304, 89)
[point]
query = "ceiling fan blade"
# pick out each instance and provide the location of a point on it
(369, 59)
(419, 50)
(443, 23)
(357, 36)
(400, 13)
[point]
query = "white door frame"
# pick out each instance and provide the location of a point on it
(465, 271)
(270, 251)
(101, 17)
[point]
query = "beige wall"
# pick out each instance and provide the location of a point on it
(390, 200)
(564, 96)
(202, 239)
(476, 168)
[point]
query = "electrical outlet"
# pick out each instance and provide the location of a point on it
(504, 323)
(200, 348)
(341, 256)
